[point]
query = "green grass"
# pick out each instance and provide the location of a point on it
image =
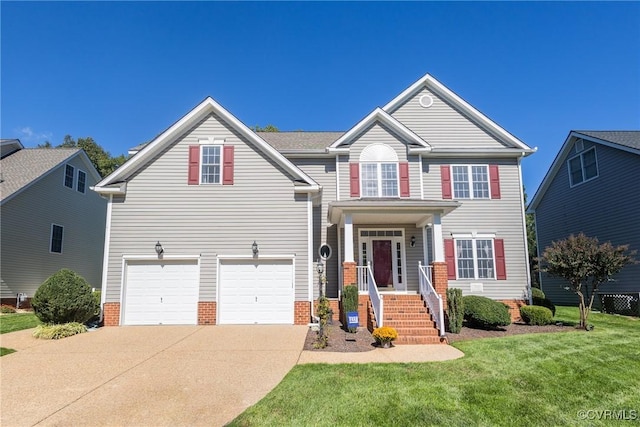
(537, 379)
(4, 351)
(17, 322)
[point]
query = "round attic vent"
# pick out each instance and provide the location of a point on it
(426, 101)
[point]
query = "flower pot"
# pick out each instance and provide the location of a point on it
(386, 344)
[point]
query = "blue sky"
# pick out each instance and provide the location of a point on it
(123, 72)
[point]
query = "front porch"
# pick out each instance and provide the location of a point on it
(393, 251)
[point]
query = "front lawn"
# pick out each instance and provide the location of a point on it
(537, 379)
(17, 322)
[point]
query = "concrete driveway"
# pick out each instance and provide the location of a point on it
(144, 375)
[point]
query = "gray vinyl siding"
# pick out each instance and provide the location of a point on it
(210, 220)
(502, 217)
(605, 207)
(323, 171)
(441, 125)
(26, 232)
(379, 133)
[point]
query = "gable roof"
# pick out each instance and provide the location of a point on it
(461, 105)
(296, 141)
(9, 146)
(622, 140)
(27, 166)
(379, 115)
(115, 182)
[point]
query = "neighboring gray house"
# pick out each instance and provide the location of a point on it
(50, 217)
(593, 186)
(421, 194)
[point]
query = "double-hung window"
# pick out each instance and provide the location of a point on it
(69, 174)
(475, 258)
(81, 185)
(210, 164)
(470, 181)
(56, 238)
(583, 167)
(379, 179)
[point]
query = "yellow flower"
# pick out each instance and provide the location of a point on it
(385, 334)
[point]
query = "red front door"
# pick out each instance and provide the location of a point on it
(382, 265)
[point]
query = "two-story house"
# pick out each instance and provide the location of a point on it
(591, 187)
(50, 218)
(211, 222)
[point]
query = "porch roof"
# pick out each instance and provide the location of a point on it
(385, 211)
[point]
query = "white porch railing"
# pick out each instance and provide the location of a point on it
(366, 283)
(434, 301)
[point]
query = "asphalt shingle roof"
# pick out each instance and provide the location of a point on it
(628, 138)
(298, 140)
(25, 166)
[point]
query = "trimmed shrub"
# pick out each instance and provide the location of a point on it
(537, 293)
(55, 332)
(485, 313)
(350, 301)
(7, 309)
(536, 315)
(544, 302)
(64, 297)
(455, 309)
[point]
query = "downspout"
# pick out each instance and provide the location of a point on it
(524, 228)
(310, 254)
(105, 257)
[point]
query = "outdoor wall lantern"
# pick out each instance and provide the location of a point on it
(254, 248)
(159, 249)
(413, 241)
(320, 267)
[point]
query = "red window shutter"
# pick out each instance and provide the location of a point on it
(450, 258)
(227, 165)
(354, 179)
(494, 181)
(501, 268)
(194, 165)
(404, 179)
(445, 174)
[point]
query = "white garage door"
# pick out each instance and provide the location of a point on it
(161, 293)
(256, 292)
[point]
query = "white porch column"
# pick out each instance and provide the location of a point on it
(348, 238)
(438, 241)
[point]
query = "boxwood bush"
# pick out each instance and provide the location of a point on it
(64, 297)
(349, 302)
(537, 293)
(455, 309)
(485, 313)
(544, 302)
(536, 315)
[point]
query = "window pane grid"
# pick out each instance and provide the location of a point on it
(475, 259)
(480, 182)
(56, 239)
(464, 250)
(82, 181)
(210, 169)
(68, 176)
(583, 167)
(484, 251)
(460, 182)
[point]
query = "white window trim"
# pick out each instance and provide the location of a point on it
(78, 181)
(582, 168)
(470, 182)
(474, 237)
(64, 177)
(210, 142)
(61, 240)
(379, 178)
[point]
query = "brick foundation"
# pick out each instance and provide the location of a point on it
(111, 315)
(363, 310)
(514, 307)
(440, 281)
(349, 273)
(334, 303)
(302, 313)
(206, 313)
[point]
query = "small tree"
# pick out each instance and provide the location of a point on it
(586, 265)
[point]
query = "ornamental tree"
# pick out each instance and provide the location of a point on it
(585, 264)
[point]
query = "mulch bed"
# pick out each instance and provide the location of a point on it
(345, 342)
(516, 328)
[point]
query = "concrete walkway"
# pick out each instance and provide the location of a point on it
(161, 375)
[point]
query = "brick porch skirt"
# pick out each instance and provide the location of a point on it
(514, 307)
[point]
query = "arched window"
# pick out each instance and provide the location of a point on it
(379, 171)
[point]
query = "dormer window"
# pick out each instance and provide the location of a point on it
(380, 173)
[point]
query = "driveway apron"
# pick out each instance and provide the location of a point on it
(144, 375)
